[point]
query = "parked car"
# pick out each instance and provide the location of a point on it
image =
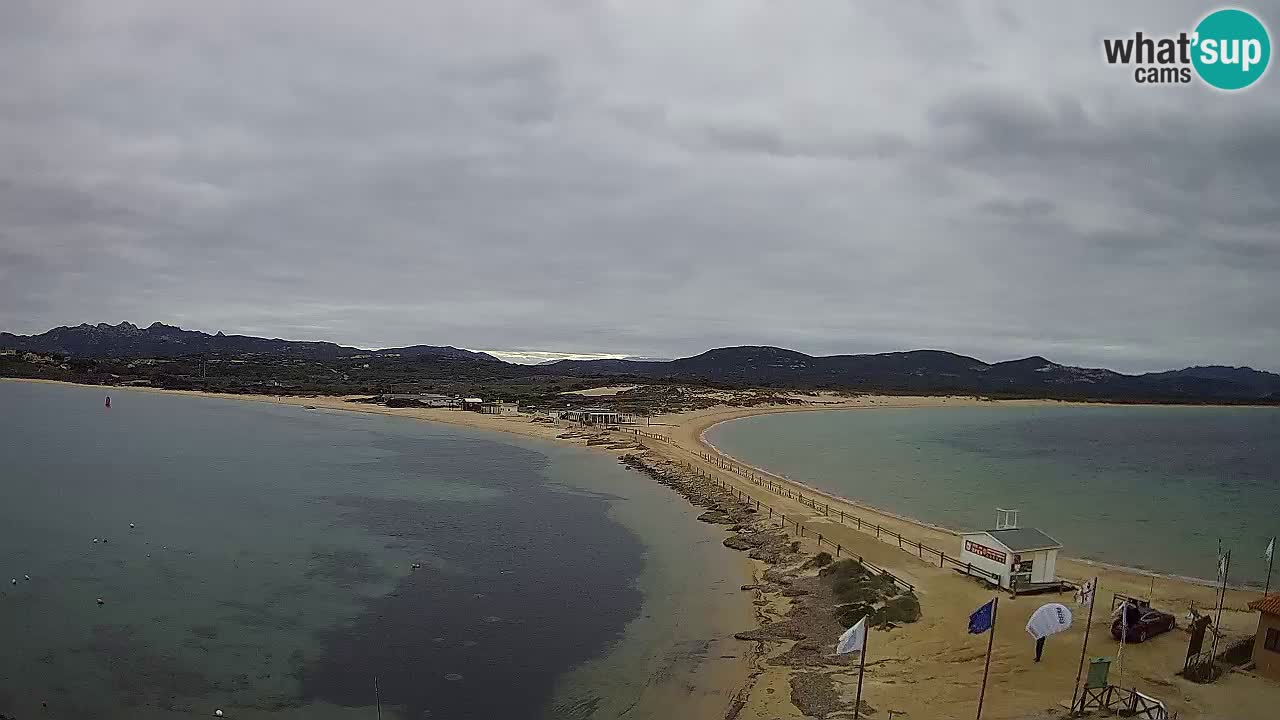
(1143, 623)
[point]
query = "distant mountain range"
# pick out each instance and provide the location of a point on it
(158, 340)
(936, 371)
(917, 371)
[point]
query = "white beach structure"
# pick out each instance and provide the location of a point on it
(599, 416)
(1024, 559)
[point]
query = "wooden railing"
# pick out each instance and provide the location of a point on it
(800, 528)
(924, 552)
(846, 518)
(1125, 702)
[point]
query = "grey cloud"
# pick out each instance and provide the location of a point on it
(635, 179)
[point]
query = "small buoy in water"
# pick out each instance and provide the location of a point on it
(95, 540)
(104, 541)
(26, 577)
(132, 526)
(101, 601)
(417, 565)
(217, 713)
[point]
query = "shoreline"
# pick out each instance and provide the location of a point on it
(706, 684)
(702, 429)
(936, 648)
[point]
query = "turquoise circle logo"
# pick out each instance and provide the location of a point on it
(1232, 49)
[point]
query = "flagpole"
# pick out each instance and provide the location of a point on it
(991, 641)
(1226, 569)
(1271, 561)
(862, 664)
(1075, 690)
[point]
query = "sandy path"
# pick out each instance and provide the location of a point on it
(938, 655)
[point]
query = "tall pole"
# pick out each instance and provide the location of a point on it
(995, 605)
(1271, 561)
(862, 665)
(1226, 568)
(377, 697)
(1093, 596)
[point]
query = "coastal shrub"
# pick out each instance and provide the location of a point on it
(851, 613)
(885, 585)
(902, 609)
(855, 590)
(843, 569)
(822, 559)
(795, 546)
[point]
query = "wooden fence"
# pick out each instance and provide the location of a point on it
(800, 528)
(924, 552)
(1124, 702)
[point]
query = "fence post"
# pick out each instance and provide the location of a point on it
(837, 549)
(877, 532)
(859, 522)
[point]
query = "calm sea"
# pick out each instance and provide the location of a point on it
(1149, 487)
(269, 567)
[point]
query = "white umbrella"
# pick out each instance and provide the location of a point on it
(1049, 620)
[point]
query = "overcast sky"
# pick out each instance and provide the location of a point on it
(639, 178)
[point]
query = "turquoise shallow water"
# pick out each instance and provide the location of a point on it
(270, 572)
(1149, 487)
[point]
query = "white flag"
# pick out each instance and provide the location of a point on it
(1222, 566)
(1271, 547)
(1085, 595)
(852, 638)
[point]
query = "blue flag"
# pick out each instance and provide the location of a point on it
(980, 620)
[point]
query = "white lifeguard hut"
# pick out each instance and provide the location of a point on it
(1024, 559)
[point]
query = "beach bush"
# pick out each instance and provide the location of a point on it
(843, 569)
(902, 609)
(855, 590)
(822, 559)
(851, 613)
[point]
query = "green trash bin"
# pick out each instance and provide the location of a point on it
(1098, 669)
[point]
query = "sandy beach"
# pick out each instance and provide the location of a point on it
(928, 669)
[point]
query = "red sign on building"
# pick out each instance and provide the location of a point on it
(984, 551)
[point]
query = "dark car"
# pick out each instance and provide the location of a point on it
(1143, 623)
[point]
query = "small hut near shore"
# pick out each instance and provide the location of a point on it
(1024, 559)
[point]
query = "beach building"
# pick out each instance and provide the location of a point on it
(1022, 558)
(600, 416)
(497, 407)
(427, 399)
(472, 403)
(1266, 645)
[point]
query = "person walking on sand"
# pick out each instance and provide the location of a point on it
(1048, 620)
